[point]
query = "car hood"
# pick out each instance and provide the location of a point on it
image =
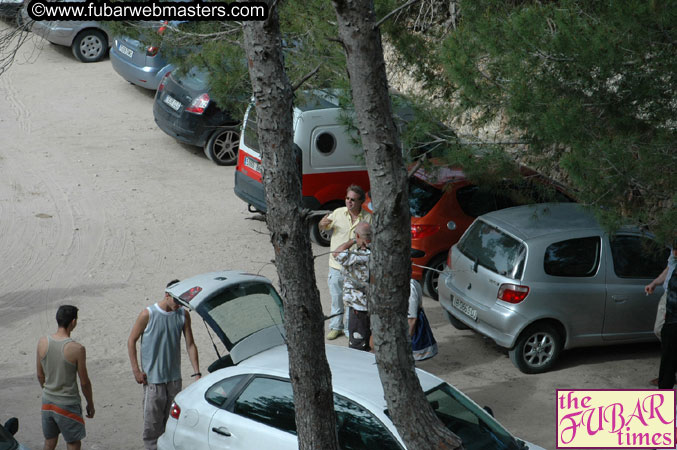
(243, 309)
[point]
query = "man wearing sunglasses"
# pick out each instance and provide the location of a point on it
(342, 223)
(160, 327)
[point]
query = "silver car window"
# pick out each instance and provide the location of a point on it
(637, 257)
(573, 257)
(491, 248)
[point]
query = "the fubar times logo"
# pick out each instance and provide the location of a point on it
(615, 419)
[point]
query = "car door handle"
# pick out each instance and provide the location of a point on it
(222, 431)
(619, 298)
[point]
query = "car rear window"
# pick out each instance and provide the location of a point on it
(195, 79)
(422, 197)
(475, 201)
(573, 257)
(241, 310)
(493, 249)
(251, 130)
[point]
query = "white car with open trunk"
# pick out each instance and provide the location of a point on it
(247, 402)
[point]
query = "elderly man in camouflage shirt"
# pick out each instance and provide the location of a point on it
(353, 255)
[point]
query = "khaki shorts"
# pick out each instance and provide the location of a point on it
(157, 401)
(64, 419)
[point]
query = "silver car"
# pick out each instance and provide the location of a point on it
(89, 40)
(137, 63)
(141, 64)
(538, 279)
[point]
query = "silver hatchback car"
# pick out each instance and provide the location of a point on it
(538, 279)
(89, 40)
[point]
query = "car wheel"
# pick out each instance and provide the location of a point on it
(222, 146)
(454, 321)
(537, 349)
(321, 237)
(90, 46)
(431, 277)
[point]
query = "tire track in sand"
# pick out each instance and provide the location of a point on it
(15, 104)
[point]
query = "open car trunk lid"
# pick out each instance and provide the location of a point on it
(243, 309)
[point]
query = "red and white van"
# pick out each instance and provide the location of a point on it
(331, 160)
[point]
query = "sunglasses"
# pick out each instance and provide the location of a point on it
(350, 199)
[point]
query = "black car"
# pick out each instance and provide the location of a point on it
(184, 110)
(7, 432)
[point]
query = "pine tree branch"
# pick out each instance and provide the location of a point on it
(394, 11)
(306, 77)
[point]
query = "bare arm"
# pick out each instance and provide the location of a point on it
(42, 350)
(137, 331)
(325, 222)
(412, 325)
(190, 345)
(85, 383)
(649, 288)
(343, 247)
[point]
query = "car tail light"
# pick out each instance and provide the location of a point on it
(190, 294)
(161, 86)
(175, 411)
(449, 257)
(152, 51)
(421, 231)
(512, 293)
(199, 104)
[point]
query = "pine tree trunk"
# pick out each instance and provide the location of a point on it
(390, 266)
(304, 326)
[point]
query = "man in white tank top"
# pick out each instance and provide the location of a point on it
(60, 360)
(160, 327)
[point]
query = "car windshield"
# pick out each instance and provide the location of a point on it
(422, 197)
(241, 310)
(491, 248)
(476, 428)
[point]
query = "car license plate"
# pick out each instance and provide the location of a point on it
(172, 102)
(464, 308)
(252, 164)
(126, 51)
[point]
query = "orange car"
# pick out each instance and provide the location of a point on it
(443, 203)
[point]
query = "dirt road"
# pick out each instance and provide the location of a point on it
(99, 208)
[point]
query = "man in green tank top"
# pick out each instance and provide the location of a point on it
(60, 360)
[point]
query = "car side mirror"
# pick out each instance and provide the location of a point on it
(451, 225)
(12, 426)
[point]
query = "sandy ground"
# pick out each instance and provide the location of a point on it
(99, 208)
